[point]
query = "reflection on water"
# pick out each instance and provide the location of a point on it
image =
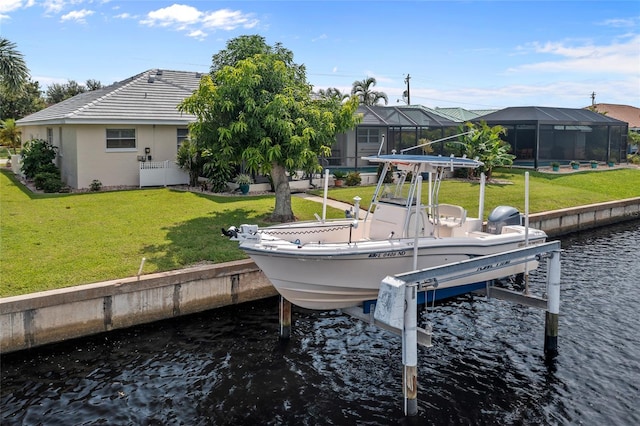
(487, 365)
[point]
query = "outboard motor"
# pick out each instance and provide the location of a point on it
(503, 216)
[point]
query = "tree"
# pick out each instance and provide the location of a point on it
(484, 143)
(9, 134)
(333, 93)
(92, 84)
(189, 158)
(257, 112)
(17, 104)
(59, 92)
(13, 69)
(367, 96)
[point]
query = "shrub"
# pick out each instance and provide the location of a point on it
(36, 155)
(353, 179)
(53, 185)
(49, 168)
(42, 177)
(96, 185)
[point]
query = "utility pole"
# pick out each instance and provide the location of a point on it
(593, 98)
(407, 92)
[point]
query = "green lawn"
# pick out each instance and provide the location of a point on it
(51, 241)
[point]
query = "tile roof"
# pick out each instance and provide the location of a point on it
(150, 97)
(626, 113)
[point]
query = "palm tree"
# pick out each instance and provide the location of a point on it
(9, 134)
(333, 93)
(13, 69)
(367, 96)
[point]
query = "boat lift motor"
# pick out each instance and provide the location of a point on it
(503, 216)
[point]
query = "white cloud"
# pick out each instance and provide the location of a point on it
(53, 6)
(228, 20)
(620, 23)
(11, 5)
(175, 15)
(198, 35)
(191, 20)
(124, 15)
(617, 57)
(320, 37)
(77, 16)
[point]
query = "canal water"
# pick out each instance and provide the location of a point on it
(487, 365)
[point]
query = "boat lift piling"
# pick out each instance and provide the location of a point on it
(285, 318)
(396, 306)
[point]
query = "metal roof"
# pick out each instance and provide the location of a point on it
(547, 115)
(150, 97)
(459, 114)
(403, 116)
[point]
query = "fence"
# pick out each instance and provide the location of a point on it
(161, 173)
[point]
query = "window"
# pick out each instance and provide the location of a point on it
(118, 139)
(183, 134)
(368, 135)
(50, 135)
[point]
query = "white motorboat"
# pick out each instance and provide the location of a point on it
(332, 264)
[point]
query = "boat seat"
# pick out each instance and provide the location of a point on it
(451, 215)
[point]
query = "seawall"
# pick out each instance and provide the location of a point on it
(36, 319)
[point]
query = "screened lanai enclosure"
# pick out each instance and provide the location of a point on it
(401, 126)
(539, 136)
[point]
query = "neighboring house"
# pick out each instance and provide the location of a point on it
(541, 135)
(107, 133)
(626, 113)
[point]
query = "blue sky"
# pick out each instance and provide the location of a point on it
(472, 54)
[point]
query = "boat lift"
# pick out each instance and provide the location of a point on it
(396, 306)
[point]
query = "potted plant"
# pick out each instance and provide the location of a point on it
(594, 164)
(243, 182)
(338, 177)
(555, 166)
(575, 165)
(611, 162)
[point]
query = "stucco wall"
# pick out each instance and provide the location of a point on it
(84, 155)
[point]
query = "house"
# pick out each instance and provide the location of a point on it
(111, 134)
(627, 113)
(541, 135)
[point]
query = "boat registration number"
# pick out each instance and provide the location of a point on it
(388, 254)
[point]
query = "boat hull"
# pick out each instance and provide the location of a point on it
(328, 276)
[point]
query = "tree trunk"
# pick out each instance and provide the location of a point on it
(282, 211)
